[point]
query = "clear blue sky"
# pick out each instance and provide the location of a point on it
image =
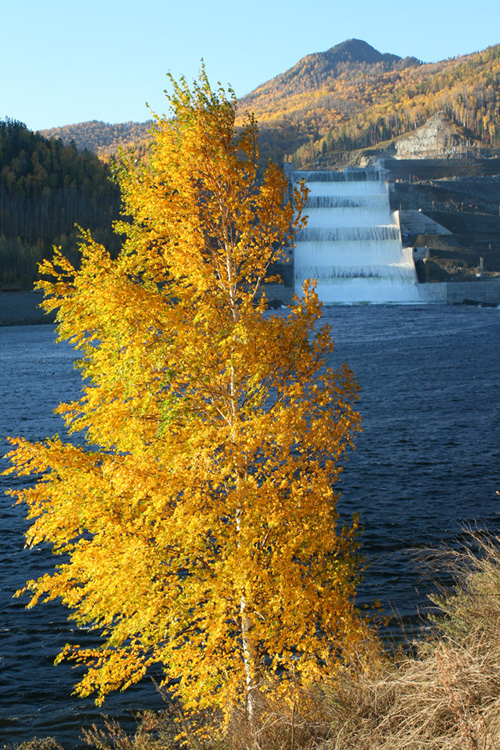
(65, 62)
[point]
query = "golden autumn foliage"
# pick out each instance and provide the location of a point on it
(197, 518)
(323, 105)
(346, 98)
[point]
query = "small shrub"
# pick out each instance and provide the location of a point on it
(45, 743)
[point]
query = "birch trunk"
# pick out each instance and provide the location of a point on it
(250, 659)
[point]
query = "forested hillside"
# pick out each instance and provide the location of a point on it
(351, 97)
(101, 137)
(45, 188)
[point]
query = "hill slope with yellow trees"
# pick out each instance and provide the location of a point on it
(347, 98)
(102, 138)
(352, 97)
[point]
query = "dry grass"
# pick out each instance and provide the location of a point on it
(446, 696)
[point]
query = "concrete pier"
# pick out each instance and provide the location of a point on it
(478, 292)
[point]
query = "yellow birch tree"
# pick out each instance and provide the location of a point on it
(197, 517)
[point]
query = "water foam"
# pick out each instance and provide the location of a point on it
(352, 245)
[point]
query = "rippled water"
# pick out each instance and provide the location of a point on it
(426, 464)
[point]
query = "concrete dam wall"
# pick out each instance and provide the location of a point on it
(352, 244)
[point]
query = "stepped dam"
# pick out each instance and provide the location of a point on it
(352, 244)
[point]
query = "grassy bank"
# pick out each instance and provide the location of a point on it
(443, 695)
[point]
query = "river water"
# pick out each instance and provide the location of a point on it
(426, 465)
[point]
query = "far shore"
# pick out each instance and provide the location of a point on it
(22, 308)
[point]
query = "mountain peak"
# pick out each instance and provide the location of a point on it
(357, 51)
(321, 68)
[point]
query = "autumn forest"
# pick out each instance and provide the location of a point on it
(46, 189)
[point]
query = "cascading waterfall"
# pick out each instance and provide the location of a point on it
(351, 245)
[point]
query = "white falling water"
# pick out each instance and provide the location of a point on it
(351, 245)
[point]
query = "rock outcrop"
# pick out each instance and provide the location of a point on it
(438, 136)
